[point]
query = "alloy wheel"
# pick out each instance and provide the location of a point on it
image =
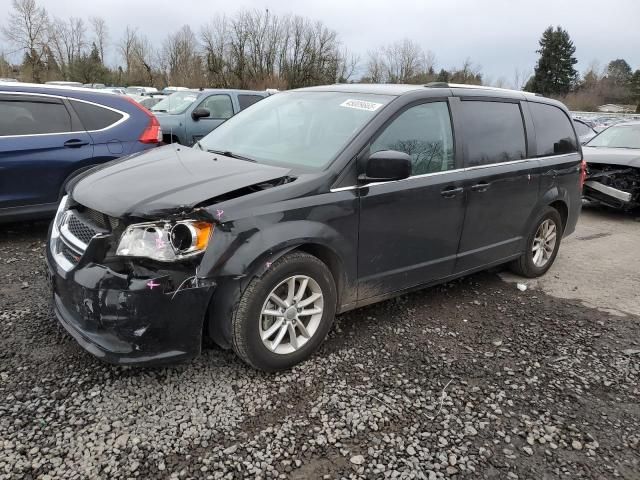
(544, 243)
(291, 314)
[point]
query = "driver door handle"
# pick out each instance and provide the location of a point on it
(451, 192)
(480, 187)
(75, 143)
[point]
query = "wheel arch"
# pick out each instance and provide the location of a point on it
(253, 257)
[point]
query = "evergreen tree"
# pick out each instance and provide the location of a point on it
(634, 86)
(554, 73)
(619, 72)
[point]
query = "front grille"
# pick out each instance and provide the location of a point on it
(96, 218)
(69, 254)
(80, 229)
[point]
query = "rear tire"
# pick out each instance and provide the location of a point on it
(296, 325)
(540, 250)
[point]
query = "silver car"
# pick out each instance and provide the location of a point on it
(613, 166)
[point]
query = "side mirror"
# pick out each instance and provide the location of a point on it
(199, 113)
(387, 165)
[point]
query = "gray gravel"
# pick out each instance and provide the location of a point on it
(474, 379)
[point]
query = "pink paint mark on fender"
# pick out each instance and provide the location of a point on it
(268, 264)
(151, 284)
(160, 243)
(219, 213)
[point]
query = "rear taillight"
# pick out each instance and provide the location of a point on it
(153, 132)
(583, 173)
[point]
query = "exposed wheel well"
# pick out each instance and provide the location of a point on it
(168, 138)
(331, 260)
(562, 209)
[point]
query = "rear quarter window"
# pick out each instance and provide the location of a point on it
(95, 117)
(493, 132)
(554, 130)
(248, 100)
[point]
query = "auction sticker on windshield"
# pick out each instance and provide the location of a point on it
(361, 105)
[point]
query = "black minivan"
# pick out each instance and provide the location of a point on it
(311, 203)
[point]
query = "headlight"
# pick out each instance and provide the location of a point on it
(165, 242)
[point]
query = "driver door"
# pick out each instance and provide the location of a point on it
(220, 109)
(410, 229)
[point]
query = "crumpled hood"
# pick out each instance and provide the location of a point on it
(627, 157)
(166, 179)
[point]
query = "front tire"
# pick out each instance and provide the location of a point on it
(283, 316)
(542, 245)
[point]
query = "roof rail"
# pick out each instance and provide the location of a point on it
(475, 87)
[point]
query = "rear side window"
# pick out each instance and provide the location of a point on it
(424, 133)
(94, 117)
(248, 100)
(554, 133)
(21, 117)
(493, 132)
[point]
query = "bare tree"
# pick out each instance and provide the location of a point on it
(100, 35)
(26, 30)
(126, 46)
(180, 58)
(214, 36)
(67, 41)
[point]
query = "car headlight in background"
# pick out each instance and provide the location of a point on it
(165, 242)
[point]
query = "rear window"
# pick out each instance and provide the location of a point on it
(33, 117)
(554, 131)
(248, 100)
(494, 132)
(94, 117)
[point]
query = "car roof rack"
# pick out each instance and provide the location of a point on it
(476, 87)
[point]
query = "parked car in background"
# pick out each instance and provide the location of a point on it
(187, 116)
(151, 100)
(9, 80)
(311, 202)
(63, 83)
(584, 130)
(169, 90)
(97, 86)
(140, 90)
(50, 133)
(116, 90)
(613, 166)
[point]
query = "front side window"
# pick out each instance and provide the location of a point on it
(554, 132)
(219, 106)
(305, 129)
(618, 136)
(21, 117)
(423, 132)
(493, 132)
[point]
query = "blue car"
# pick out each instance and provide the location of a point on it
(50, 133)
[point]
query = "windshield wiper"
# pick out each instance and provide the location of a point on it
(228, 153)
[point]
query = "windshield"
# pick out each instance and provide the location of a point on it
(618, 136)
(177, 102)
(304, 129)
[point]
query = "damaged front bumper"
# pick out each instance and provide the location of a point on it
(126, 316)
(613, 185)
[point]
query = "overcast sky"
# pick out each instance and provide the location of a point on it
(498, 35)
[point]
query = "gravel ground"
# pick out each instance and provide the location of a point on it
(474, 379)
